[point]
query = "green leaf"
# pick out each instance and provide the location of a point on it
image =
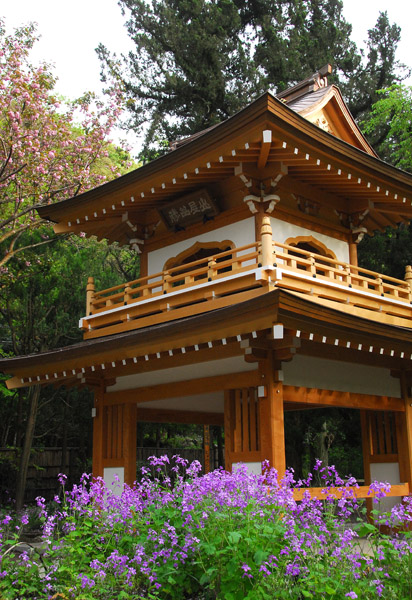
(367, 529)
(306, 594)
(260, 556)
(329, 590)
(234, 537)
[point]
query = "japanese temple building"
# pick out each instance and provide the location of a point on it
(250, 301)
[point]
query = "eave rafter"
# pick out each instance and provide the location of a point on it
(306, 165)
(321, 340)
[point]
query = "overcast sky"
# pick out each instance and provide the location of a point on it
(71, 31)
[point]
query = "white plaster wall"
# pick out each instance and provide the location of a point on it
(386, 472)
(283, 231)
(235, 364)
(114, 479)
(326, 374)
(253, 468)
(241, 234)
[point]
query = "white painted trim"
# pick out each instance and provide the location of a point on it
(279, 271)
(343, 287)
(256, 272)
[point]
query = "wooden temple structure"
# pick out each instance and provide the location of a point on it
(250, 300)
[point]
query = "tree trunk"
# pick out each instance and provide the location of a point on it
(34, 395)
(63, 464)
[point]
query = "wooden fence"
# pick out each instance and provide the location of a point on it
(46, 464)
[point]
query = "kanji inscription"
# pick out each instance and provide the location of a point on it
(190, 209)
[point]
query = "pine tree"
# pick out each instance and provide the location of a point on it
(199, 61)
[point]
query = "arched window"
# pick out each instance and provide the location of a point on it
(312, 245)
(198, 252)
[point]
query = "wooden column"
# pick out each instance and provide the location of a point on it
(206, 448)
(90, 289)
(129, 442)
(272, 428)
(143, 264)
(404, 434)
(114, 438)
(258, 222)
(97, 460)
(353, 254)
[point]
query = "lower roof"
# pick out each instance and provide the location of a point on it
(112, 356)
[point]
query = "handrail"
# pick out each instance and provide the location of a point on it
(206, 269)
(294, 267)
(329, 269)
(362, 491)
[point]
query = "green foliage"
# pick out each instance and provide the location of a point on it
(387, 252)
(197, 62)
(218, 537)
(393, 112)
(41, 300)
(378, 69)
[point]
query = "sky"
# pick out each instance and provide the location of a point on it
(71, 31)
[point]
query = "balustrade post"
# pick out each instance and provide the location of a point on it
(379, 281)
(128, 294)
(267, 243)
(211, 263)
(90, 289)
(408, 279)
(166, 282)
(312, 266)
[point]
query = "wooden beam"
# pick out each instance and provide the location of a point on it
(161, 415)
(318, 397)
(178, 389)
(401, 489)
(264, 149)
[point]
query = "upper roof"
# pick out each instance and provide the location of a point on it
(315, 145)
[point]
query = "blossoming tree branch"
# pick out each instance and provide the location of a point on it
(48, 147)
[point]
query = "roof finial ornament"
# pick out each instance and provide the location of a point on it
(321, 77)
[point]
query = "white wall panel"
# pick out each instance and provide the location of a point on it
(241, 234)
(326, 374)
(282, 231)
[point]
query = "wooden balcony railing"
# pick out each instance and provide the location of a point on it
(238, 273)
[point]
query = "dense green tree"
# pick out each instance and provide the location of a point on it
(392, 113)
(390, 251)
(41, 300)
(198, 62)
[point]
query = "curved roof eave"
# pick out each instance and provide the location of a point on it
(267, 107)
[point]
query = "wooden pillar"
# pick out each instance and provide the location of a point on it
(206, 448)
(404, 434)
(258, 222)
(267, 243)
(367, 451)
(228, 430)
(114, 439)
(97, 460)
(272, 428)
(143, 264)
(90, 289)
(129, 442)
(408, 278)
(353, 254)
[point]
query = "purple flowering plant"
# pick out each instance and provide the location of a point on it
(229, 536)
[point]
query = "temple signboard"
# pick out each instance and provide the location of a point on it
(190, 209)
